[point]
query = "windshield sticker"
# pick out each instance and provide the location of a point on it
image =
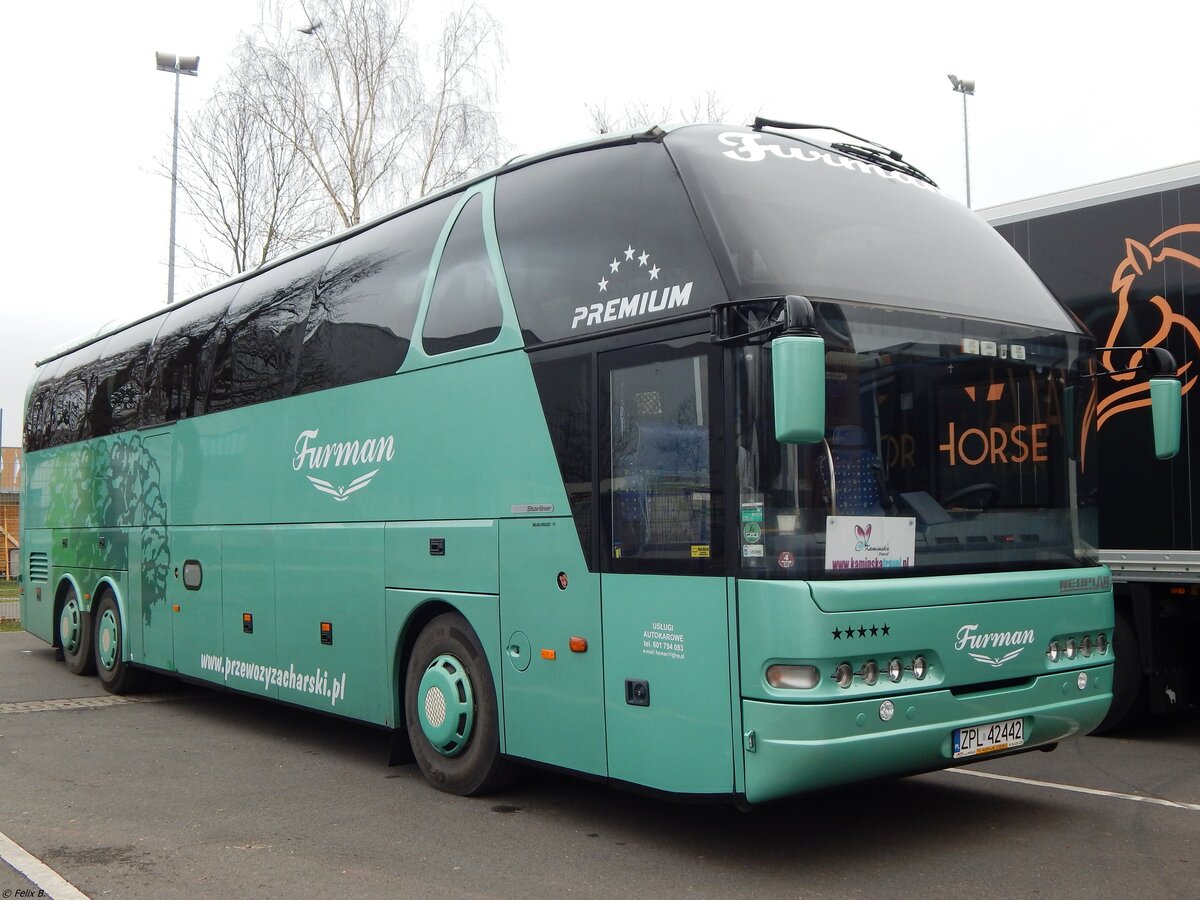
(629, 288)
(869, 542)
(755, 147)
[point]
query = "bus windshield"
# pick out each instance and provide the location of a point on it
(949, 448)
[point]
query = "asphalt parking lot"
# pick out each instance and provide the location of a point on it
(190, 792)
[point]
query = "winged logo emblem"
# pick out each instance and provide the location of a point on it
(341, 492)
(996, 661)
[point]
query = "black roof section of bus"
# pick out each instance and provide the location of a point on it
(653, 134)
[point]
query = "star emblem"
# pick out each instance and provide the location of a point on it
(837, 634)
(886, 629)
(862, 632)
(629, 252)
(874, 631)
(603, 282)
(654, 273)
(614, 265)
(849, 632)
(643, 258)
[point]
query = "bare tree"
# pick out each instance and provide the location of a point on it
(347, 91)
(640, 114)
(251, 192)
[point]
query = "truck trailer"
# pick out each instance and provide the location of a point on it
(1124, 257)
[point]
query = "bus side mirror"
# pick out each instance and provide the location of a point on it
(1165, 402)
(798, 382)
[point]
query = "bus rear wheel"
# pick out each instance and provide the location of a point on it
(117, 676)
(450, 710)
(75, 635)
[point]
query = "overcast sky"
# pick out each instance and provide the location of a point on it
(1068, 93)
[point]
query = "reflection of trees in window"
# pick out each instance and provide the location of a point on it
(361, 321)
(181, 359)
(261, 336)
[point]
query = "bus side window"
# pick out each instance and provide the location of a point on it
(361, 322)
(659, 496)
(257, 354)
(464, 310)
(180, 364)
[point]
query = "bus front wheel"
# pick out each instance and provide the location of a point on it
(450, 710)
(117, 676)
(75, 635)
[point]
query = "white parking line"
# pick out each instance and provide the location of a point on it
(1195, 807)
(55, 886)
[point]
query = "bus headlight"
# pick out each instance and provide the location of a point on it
(1054, 651)
(793, 678)
(1102, 644)
(1070, 651)
(895, 670)
(844, 675)
(920, 668)
(870, 672)
(1086, 647)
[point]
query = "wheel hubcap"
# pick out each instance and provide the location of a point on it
(69, 626)
(107, 643)
(446, 705)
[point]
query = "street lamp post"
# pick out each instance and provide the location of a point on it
(180, 65)
(965, 86)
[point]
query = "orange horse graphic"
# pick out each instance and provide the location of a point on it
(1139, 260)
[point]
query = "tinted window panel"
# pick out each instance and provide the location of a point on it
(464, 310)
(566, 390)
(362, 317)
(68, 396)
(40, 411)
(181, 358)
(787, 216)
(258, 352)
(601, 240)
(121, 379)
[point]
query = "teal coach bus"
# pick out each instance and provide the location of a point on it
(719, 462)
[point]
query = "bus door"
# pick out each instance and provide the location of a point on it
(666, 606)
(550, 621)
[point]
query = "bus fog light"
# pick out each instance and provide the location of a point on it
(1102, 644)
(844, 675)
(870, 672)
(1082, 680)
(895, 670)
(795, 678)
(886, 710)
(1070, 651)
(920, 668)
(1086, 647)
(1054, 651)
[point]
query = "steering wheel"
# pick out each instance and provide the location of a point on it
(987, 492)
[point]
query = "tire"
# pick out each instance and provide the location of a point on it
(75, 635)
(117, 676)
(1128, 703)
(450, 710)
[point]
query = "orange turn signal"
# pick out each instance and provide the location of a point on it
(549, 654)
(578, 644)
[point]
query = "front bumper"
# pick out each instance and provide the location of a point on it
(800, 747)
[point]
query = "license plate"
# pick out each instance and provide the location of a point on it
(990, 738)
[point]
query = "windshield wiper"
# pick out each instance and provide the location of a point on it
(877, 153)
(891, 160)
